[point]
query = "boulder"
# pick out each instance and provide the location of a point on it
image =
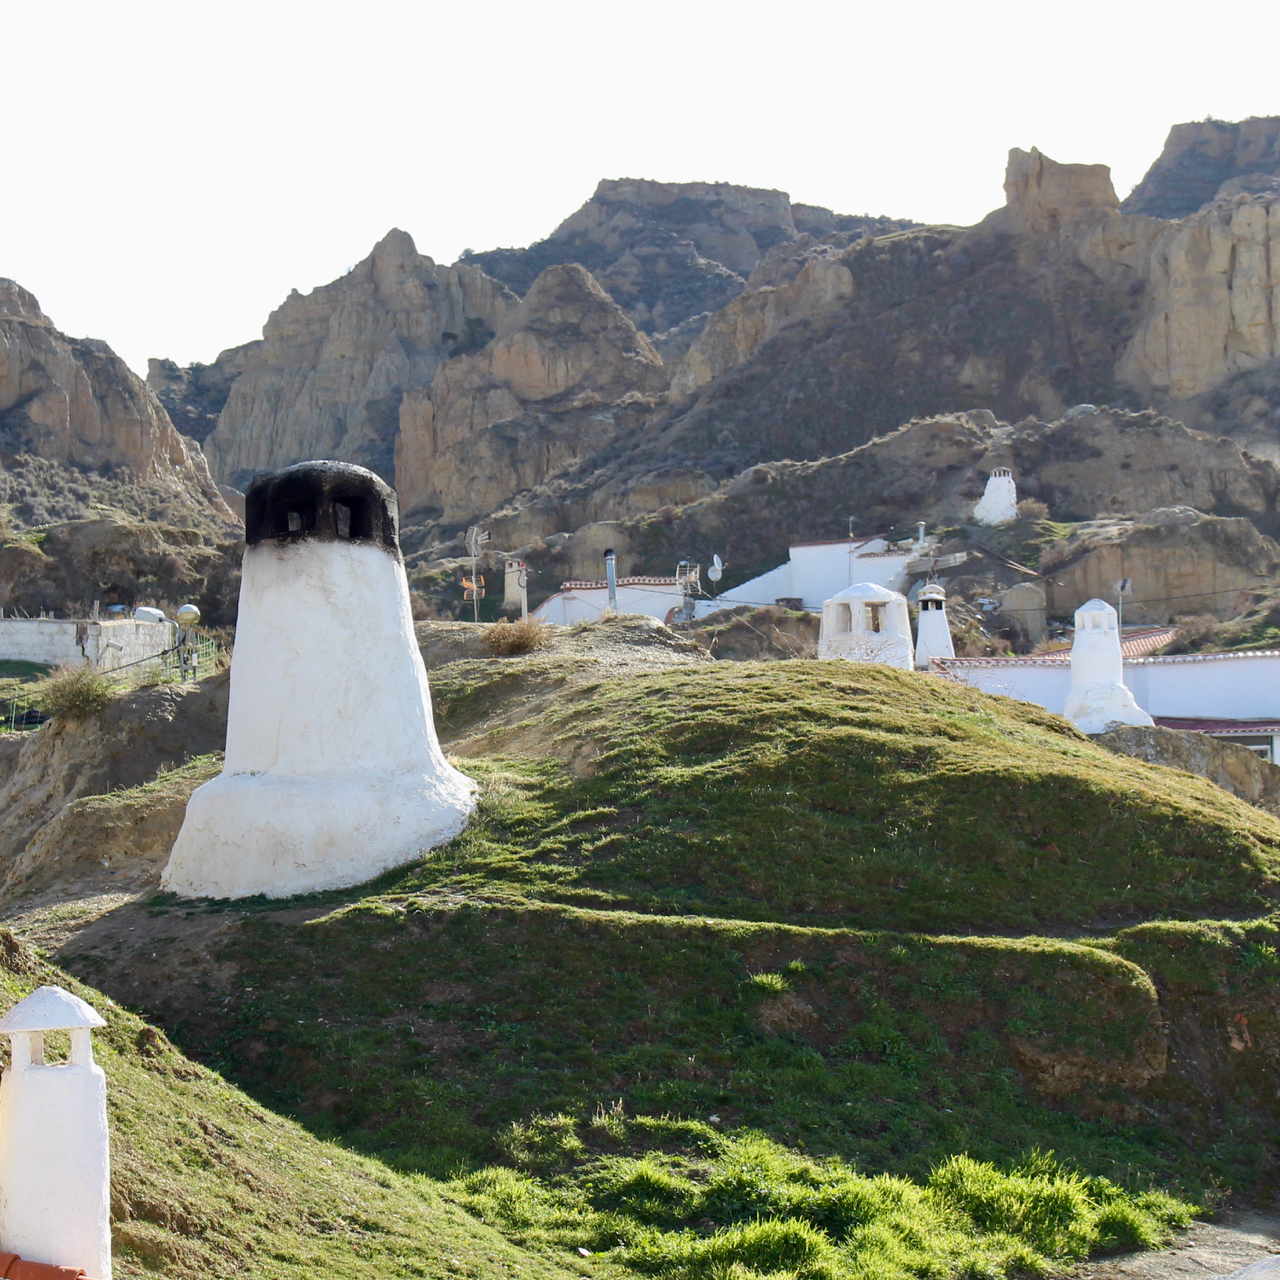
(1233, 767)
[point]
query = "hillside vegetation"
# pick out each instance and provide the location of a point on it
(774, 968)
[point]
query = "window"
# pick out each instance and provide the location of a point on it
(875, 616)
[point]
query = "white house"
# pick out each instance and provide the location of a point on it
(817, 571)
(867, 623)
(999, 501)
(585, 601)
(1235, 696)
(933, 631)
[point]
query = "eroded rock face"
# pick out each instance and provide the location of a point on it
(1182, 562)
(667, 251)
(1199, 158)
(194, 396)
(75, 402)
(328, 377)
(1043, 196)
(1233, 767)
(566, 373)
(1213, 298)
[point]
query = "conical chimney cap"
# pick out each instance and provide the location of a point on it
(51, 1009)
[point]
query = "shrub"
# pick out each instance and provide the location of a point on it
(507, 638)
(74, 692)
(1032, 509)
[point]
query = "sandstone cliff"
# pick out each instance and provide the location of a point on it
(566, 374)
(1180, 561)
(668, 251)
(74, 402)
(328, 377)
(1199, 158)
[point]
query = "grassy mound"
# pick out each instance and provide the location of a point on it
(860, 796)
(206, 1183)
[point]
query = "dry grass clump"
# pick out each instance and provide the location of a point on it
(1032, 509)
(74, 692)
(504, 639)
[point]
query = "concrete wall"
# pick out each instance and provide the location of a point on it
(64, 641)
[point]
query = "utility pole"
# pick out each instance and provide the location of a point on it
(1122, 589)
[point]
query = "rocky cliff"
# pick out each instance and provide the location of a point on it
(1199, 158)
(668, 251)
(566, 374)
(76, 404)
(327, 378)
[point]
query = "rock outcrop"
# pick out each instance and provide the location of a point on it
(1180, 561)
(327, 379)
(74, 402)
(1233, 767)
(194, 397)
(1199, 158)
(668, 251)
(566, 374)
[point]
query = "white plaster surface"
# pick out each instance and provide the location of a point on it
(845, 631)
(816, 571)
(999, 501)
(333, 772)
(1098, 694)
(933, 630)
(55, 1175)
(105, 645)
(587, 604)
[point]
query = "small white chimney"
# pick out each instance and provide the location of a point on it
(999, 501)
(867, 623)
(55, 1152)
(933, 631)
(1098, 695)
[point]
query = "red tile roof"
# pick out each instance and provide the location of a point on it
(13, 1267)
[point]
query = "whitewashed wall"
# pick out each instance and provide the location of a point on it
(106, 645)
(1226, 686)
(586, 604)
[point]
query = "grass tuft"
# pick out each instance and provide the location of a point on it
(506, 639)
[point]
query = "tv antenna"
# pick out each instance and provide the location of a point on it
(473, 590)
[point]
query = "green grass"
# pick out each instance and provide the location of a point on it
(818, 792)
(704, 987)
(205, 1182)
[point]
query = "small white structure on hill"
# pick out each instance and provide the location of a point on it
(999, 501)
(55, 1151)
(333, 772)
(816, 571)
(933, 631)
(867, 623)
(583, 601)
(1098, 695)
(103, 644)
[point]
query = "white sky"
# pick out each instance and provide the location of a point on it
(171, 170)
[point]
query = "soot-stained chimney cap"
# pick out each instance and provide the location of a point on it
(322, 502)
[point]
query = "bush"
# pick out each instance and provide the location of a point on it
(1032, 509)
(506, 638)
(74, 692)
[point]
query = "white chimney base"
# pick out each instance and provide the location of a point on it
(1096, 706)
(284, 835)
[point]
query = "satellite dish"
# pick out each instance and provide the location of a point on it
(715, 560)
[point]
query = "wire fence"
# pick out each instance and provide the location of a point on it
(194, 658)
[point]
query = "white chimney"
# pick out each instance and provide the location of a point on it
(333, 772)
(1098, 695)
(999, 501)
(867, 623)
(933, 631)
(55, 1152)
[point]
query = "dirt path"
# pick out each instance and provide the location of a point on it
(1207, 1251)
